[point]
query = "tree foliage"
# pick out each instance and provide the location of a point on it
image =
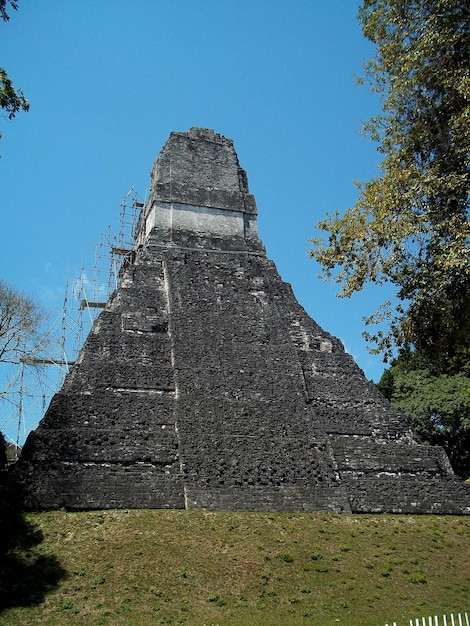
(438, 405)
(11, 100)
(21, 320)
(3, 453)
(4, 7)
(410, 225)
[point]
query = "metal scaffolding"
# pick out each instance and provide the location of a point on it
(33, 382)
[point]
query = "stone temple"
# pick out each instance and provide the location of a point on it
(204, 384)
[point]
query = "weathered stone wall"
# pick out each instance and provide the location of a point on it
(204, 384)
(201, 168)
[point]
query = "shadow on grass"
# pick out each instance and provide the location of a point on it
(26, 575)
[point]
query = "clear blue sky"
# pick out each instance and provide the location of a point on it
(108, 81)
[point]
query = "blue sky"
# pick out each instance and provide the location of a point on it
(108, 81)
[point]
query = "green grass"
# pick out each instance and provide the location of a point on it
(194, 567)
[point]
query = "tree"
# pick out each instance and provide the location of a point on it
(3, 453)
(11, 100)
(438, 405)
(410, 225)
(21, 335)
(4, 6)
(21, 319)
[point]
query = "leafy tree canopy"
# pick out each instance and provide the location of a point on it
(4, 7)
(438, 405)
(410, 226)
(11, 100)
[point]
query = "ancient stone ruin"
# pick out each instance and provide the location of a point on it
(205, 385)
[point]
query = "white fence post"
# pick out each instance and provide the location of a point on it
(459, 619)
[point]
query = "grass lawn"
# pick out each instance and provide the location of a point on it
(142, 567)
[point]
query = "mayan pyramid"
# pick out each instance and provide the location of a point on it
(203, 384)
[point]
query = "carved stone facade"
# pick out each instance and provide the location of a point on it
(204, 384)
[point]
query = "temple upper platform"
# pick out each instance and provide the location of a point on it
(199, 195)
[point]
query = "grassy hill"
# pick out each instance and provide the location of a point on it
(194, 567)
